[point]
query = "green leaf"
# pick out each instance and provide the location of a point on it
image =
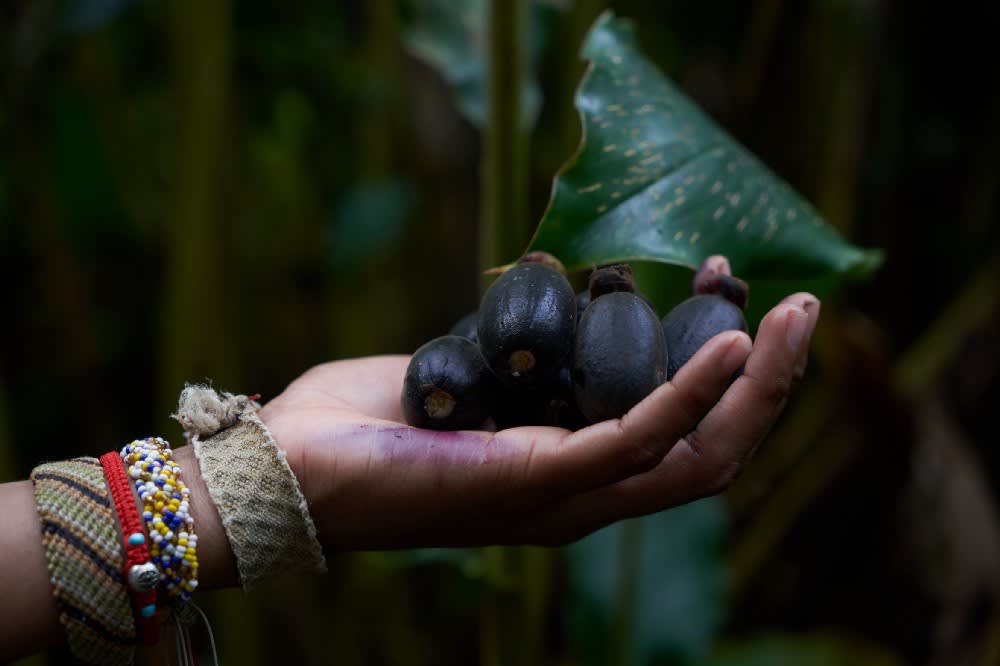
(451, 37)
(666, 590)
(654, 178)
(666, 285)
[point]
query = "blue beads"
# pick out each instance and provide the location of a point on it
(136, 539)
(147, 611)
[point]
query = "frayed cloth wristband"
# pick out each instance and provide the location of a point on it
(262, 508)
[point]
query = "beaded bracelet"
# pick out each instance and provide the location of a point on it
(166, 503)
(141, 575)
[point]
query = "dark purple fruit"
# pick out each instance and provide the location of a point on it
(448, 386)
(526, 324)
(562, 406)
(692, 323)
(620, 355)
(466, 327)
(552, 405)
(520, 406)
(582, 301)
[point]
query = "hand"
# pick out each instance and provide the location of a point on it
(373, 482)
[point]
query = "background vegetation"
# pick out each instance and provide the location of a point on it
(205, 189)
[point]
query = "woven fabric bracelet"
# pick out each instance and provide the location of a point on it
(262, 508)
(141, 575)
(85, 560)
(166, 513)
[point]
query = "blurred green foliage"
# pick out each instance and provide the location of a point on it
(369, 220)
(803, 651)
(291, 184)
(651, 590)
(453, 38)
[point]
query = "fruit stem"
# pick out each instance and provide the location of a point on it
(608, 279)
(733, 289)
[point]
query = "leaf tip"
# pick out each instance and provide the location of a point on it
(606, 28)
(499, 270)
(867, 261)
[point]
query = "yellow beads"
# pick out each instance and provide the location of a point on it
(166, 512)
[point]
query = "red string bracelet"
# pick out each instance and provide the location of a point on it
(141, 575)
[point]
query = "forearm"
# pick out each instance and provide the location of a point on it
(29, 618)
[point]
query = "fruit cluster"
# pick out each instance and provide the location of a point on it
(535, 353)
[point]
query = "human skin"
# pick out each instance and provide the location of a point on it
(373, 482)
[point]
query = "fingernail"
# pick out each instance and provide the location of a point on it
(796, 328)
(736, 355)
(812, 308)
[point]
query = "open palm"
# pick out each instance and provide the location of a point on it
(374, 482)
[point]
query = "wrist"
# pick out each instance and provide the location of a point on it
(217, 566)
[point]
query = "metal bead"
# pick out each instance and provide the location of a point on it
(143, 577)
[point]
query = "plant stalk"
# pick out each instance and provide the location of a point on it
(628, 585)
(499, 621)
(195, 344)
(503, 218)
(503, 233)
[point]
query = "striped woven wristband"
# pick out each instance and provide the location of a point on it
(141, 575)
(85, 560)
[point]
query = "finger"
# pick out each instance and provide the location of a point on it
(638, 441)
(722, 442)
(708, 458)
(553, 459)
(812, 306)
